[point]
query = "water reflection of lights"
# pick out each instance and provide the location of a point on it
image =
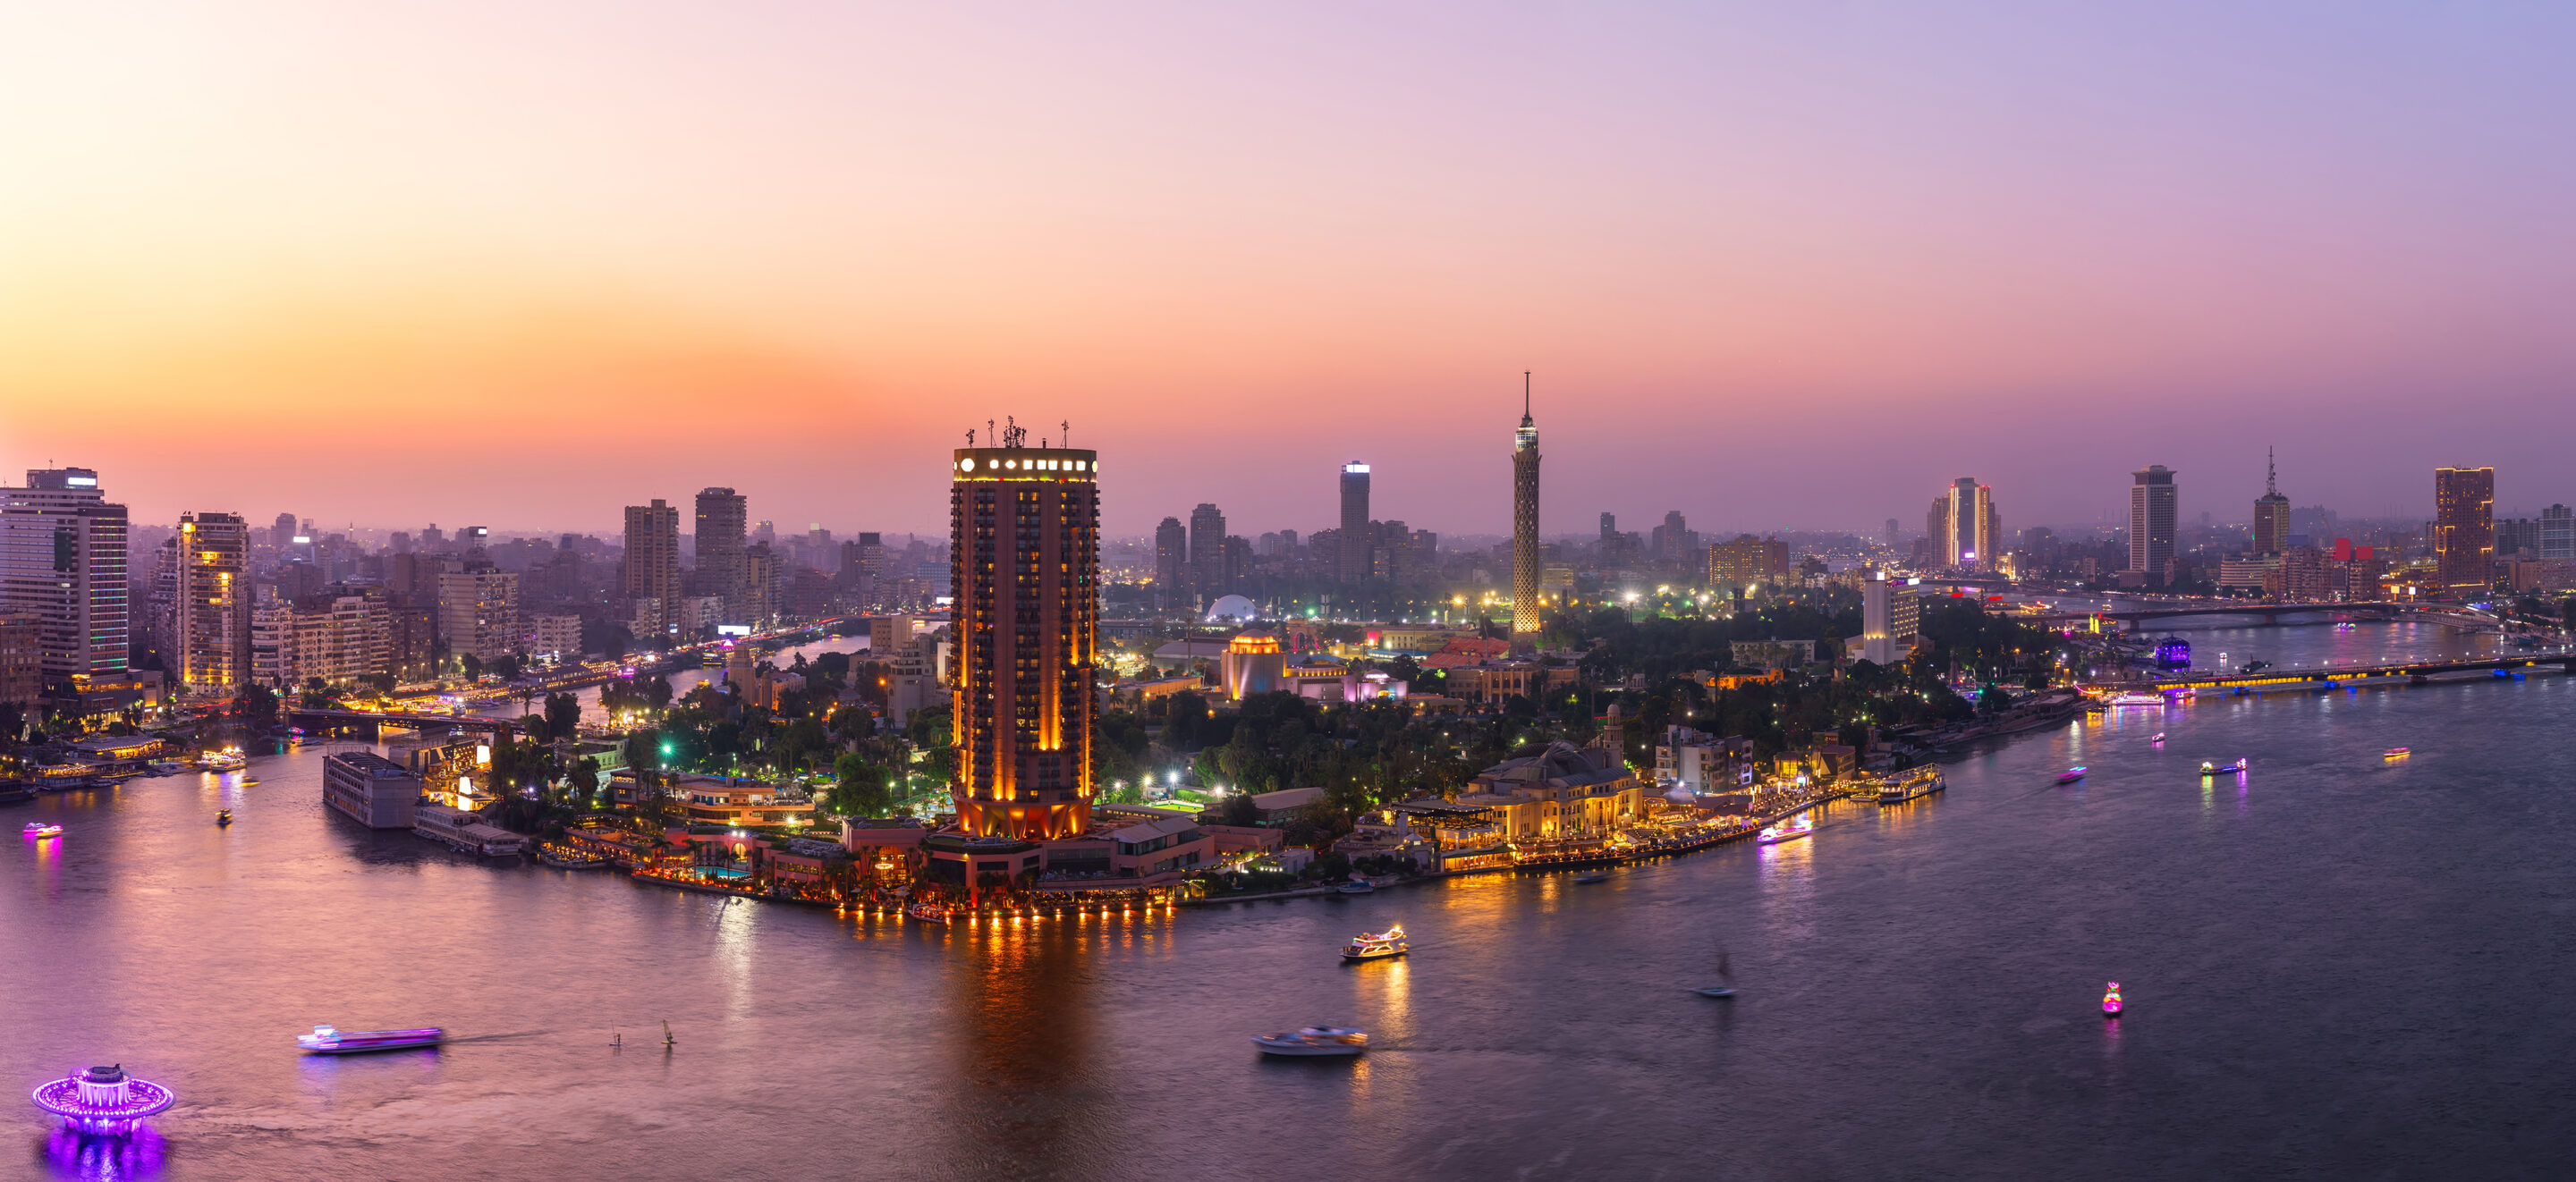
(104, 1159)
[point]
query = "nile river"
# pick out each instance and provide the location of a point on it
(2336, 967)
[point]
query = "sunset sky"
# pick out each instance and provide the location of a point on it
(1775, 265)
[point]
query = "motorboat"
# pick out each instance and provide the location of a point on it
(1726, 980)
(928, 912)
(2159, 739)
(1376, 945)
(1314, 1041)
(2395, 753)
(2111, 1005)
(1589, 879)
(2071, 775)
(2237, 766)
(1789, 830)
(1357, 886)
(167, 767)
(327, 1040)
(42, 829)
(223, 817)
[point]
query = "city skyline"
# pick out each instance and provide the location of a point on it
(1674, 216)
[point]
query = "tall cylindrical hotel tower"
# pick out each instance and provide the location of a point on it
(1024, 545)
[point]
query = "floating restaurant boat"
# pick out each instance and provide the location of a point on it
(42, 829)
(1313, 1041)
(2071, 775)
(227, 760)
(2395, 753)
(564, 857)
(2138, 699)
(1920, 782)
(102, 1099)
(327, 1040)
(2111, 1001)
(1789, 830)
(1376, 945)
(1357, 886)
(928, 912)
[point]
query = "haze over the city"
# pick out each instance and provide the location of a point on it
(1774, 266)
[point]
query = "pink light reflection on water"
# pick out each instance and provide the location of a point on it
(97, 1158)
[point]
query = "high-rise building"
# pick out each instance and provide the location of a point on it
(1207, 550)
(2152, 517)
(2271, 512)
(1747, 560)
(720, 541)
(478, 612)
(1965, 528)
(2464, 531)
(1172, 561)
(652, 569)
(1526, 621)
(758, 604)
(1024, 541)
(1890, 615)
(1892, 534)
(209, 633)
(62, 560)
(2557, 533)
(1356, 561)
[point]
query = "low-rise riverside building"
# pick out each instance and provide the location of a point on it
(1558, 794)
(370, 789)
(462, 830)
(887, 849)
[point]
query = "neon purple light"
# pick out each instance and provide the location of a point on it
(102, 1099)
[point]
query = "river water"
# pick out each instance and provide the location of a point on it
(2336, 967)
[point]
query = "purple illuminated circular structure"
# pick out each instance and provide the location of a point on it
(102, 1099)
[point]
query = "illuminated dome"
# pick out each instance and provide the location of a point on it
(1234, 608)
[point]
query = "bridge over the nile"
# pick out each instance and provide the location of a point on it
(2273, 613)
(2415, 672)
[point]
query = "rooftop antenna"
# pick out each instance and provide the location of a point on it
(970, 437)
(1525, 388)
(1013, 434)
(2270, 470)
(1067, 427)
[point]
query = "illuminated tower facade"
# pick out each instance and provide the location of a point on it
(1024, 545)
(2153, 508)
(1525, 614)
(2464, 531)
(2271, 513)
(1354, 563)
(210, 615)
